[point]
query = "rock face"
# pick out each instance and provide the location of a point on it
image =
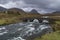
(33, 11)
(2, 9)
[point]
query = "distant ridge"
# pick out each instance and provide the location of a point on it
(56, 13)
(2, 8)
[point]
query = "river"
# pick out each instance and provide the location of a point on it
(24, 30)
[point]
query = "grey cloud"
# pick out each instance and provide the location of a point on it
(40, 5)
(3, 1)
(6, 1)
(45, 5)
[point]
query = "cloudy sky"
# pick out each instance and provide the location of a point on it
(42, 6)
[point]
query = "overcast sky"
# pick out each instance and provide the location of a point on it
(42, 6)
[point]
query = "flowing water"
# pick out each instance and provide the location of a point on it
(21, 31)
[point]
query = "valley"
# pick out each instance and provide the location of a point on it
(14, 18)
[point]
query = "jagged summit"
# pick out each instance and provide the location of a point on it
(33, 11)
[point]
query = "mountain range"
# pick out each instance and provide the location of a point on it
(33, 11)
(16, 9)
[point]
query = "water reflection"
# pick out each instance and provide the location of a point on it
(21, 31)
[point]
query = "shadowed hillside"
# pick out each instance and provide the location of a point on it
(2, 9)
(33, 11)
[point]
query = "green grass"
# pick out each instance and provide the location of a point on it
(52, 36)
(2, 21)
(6, 21)
(56, 25)
(57, 22)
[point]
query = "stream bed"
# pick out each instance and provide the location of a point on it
(24, 30)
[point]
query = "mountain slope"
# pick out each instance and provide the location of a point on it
(33, 11)
(2, 9)
(16, 10)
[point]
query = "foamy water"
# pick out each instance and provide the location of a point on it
(24, 29)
